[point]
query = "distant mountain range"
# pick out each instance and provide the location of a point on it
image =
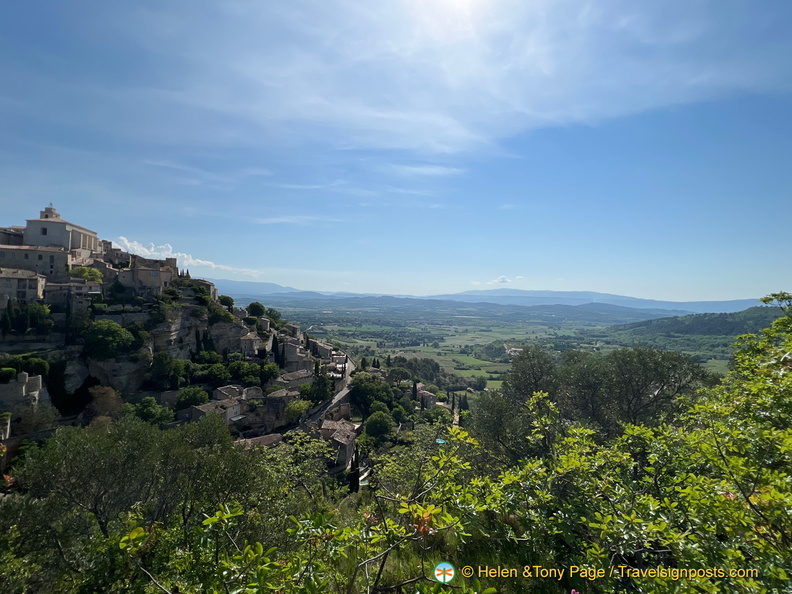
(253, 291)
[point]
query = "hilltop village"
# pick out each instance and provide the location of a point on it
(90, 331)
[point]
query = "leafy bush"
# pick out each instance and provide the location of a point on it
(192, 396)
(7, 374)
(106, 339)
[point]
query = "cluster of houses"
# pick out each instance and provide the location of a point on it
(36, 260)
(258, 414)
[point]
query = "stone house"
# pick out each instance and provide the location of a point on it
(229, 391)
(295, 357)
(52, 262)
(11, 235)
(150, 279)
(341, 435)
(78, 291)
(428, 399)
(250, 344)
(293, 330)
(229, 409)
(320, 349)
(24, 390)
(264, 441)
(209, 286)
(21, 285)
(295, 379)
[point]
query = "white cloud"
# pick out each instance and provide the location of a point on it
(501, 280)
(438, 76)
(424, 170)
(185, 260)
(338, 182)
(296, 220)
(199, 176)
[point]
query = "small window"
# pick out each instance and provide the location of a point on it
(27, 256)
(52, 259)
(41, 257)
(43, 230)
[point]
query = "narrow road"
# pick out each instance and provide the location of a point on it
(317, 416)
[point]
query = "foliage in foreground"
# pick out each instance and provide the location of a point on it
(135, 509)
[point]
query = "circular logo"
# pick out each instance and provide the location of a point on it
(444, 572)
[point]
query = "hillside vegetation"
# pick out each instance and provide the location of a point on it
(690, 495)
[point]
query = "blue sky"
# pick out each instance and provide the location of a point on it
(413, 146)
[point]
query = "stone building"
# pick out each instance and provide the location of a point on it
(229, 409)
(21, 391)
(148, 277)
(51, 230)
(250, 344)
(51, 261)
(78, 292)
(21, 285)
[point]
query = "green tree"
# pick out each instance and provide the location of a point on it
(106, 339)
(256, 309)
(149, 411)
(365, 389)
(397, 375)
(90, 274)
(379, 424)
(533, 370)
(217, 375)
(269, 371)
(227, 302)
(191, 396)
(296, 409)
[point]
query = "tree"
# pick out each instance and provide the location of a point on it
(106, 339)
(105, 402)
(217, 375)
(227, 302)
(365, 389)
(90, 274)
(276, 352)
(378, 424)
(256, 309)
(149, 411)
(269, 371)
(397, 375)
(646, 382)
(166, 372)
(296, 409)
(379, 407)
(192, 396)
(6, 323)
(533, 370)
